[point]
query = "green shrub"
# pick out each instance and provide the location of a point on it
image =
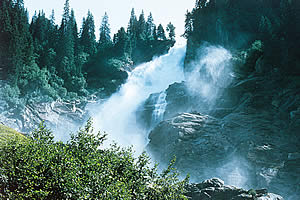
(257, 45)
(252, 192)
(80, 169)
(72, 96)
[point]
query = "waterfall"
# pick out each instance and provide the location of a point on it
(117, 115)
(159, 108)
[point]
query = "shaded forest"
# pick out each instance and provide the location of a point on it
(65, 61)
(237, 24)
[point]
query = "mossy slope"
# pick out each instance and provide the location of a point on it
(7, 133)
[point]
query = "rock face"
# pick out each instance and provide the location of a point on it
(244, 149)
(61, 117)
(178, 100)
(196, 140)
(215, 189)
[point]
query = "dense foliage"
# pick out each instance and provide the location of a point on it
(237, 24)
(63, 62)
(40, 168)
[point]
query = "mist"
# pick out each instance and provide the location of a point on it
(117, 115)
(209, 73)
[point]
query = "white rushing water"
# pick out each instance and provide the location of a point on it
(159, 108)
(117, 115)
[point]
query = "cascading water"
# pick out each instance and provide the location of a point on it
(117, 115)
(159, 108)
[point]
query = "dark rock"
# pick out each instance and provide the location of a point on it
(243, 148)
(196, 140)
(178, 100)
(216, 190)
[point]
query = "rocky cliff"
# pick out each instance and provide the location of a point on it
(248, 135)
(247, 132)
(62, 117)
(245, 149)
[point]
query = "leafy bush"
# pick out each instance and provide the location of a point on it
(41, 168)
(252, 192)
(257, 45)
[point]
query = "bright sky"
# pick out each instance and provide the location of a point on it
(163, 11)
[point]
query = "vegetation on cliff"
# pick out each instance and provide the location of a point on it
(237, 24)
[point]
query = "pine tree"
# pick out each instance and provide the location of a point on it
(132, 25)
(121, 42)
(74, 32)
(188, 24)
(16, 47)
(201, 3)
(66, 16)
(105, 31)
(87, 35)
(53, 32)
(6, 29)
(171, 30)
(161, 33)
(132, 32)
(44, 56)
(154, 32)
(150, 27)
(42, 33)
(52, 17)
(65, 48)
(141, 27)
(39, 27)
